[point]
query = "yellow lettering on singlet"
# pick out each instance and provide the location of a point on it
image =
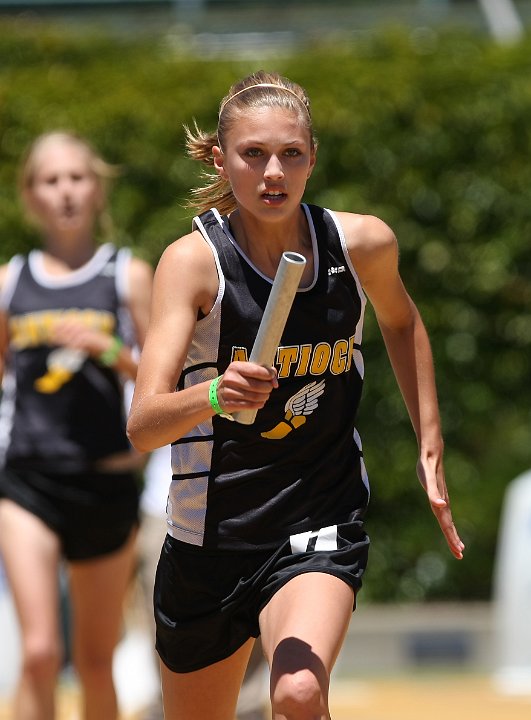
(46, 325)
(32, 330)
(286, 356)
(320, 359)
(14, 332)
(339, 357)
(351, 349)
(304, 360)
(37, 328)
(239, 354)
(301, 360)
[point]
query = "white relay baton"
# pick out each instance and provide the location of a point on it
(274, 319)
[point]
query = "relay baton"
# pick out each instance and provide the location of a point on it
(274, 318)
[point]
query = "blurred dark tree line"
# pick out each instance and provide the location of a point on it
(428, 131)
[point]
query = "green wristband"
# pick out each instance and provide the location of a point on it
(214, 402)
(110, 356)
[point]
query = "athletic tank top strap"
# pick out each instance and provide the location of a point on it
(328, 241)
(331, 239)
(13, 271)
(215, 229)
(122, 258)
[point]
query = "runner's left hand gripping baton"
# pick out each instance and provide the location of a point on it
(274, 319)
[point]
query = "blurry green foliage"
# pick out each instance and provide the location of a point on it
(431, 133)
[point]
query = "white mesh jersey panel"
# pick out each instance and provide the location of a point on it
(187, 500)
(358, 357)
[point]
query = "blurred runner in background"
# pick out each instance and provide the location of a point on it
(68, 482)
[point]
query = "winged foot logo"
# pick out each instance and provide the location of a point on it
(298, 407)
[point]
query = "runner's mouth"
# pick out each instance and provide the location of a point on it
(274, 195)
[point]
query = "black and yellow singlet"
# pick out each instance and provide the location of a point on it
(60, 409)
(299, 468)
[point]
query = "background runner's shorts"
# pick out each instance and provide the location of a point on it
(93, 513)
(207, 603)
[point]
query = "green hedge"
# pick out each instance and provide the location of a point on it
(429, 132)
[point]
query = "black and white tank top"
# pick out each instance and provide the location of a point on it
(299, 467)
(61, 410)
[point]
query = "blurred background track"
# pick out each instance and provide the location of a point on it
(422, 697)
(407, 697)
(399, 662)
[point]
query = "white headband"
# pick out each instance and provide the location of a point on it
(259, 85)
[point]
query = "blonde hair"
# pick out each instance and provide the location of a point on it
(102, 171)
(261, 89)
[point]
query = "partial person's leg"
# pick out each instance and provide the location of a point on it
(303, 627)
(254, 692)
(253, 702)
(207, 694)
(97, 590)
(150, 538)
(31, 555)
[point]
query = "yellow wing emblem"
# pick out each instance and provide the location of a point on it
(61, 364)
(303, 403)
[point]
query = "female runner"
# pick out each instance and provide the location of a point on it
(266, 521)
(67, 486)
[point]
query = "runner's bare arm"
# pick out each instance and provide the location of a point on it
(185, 287)
(374, 252)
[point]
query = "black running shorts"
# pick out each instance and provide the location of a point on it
(93, 513)
(207, 603)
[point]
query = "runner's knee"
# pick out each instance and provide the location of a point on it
(298, 696)
(41, 659)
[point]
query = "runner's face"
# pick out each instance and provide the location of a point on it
(267, 158)
(65, 195)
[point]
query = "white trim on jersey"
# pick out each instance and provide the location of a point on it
(7, 412)
(364, 474)
(315, 251)
(122, 275)
(352, 269)
(221, 277)
(14, 269)
(86, 272)
(358, 356)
